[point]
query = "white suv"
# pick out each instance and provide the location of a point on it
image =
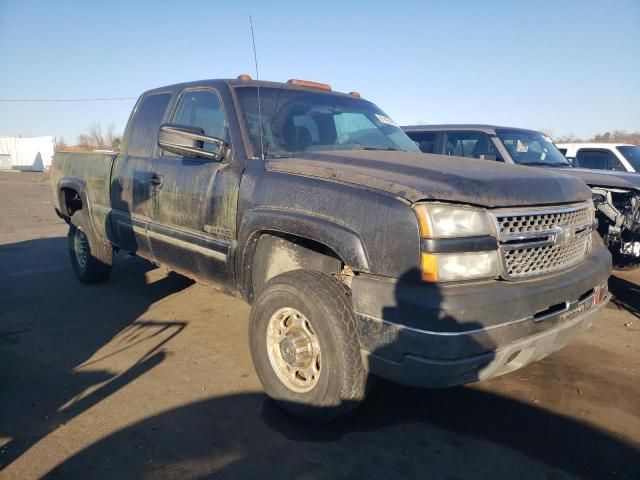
(602, 156)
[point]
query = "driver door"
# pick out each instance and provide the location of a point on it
(183, 211)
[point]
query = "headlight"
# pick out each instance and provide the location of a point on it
(444, 223)
(448, 221)
(447, 267)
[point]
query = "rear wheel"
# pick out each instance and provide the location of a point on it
(305, 347)
(91, 258)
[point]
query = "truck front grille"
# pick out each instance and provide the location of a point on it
(542, 222)
(542, 241)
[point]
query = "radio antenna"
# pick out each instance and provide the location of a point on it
(255, 59)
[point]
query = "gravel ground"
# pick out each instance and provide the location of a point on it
(149, 376)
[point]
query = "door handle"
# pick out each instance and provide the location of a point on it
(156, 180)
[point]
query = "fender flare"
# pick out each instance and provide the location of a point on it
(74, 184)
(343, 241)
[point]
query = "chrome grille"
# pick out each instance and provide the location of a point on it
(542, 222)
(526, 262)
(537, 242)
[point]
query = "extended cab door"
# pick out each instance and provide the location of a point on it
(193, 213)
(131, 180)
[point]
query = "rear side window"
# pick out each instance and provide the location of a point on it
(146, 123)
(469, 144)
(597, 160)
(426, 141)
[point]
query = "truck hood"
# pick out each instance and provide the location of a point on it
(418, 176)
(602, 178)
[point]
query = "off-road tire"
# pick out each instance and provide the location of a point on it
(341, 383)
(99, 255)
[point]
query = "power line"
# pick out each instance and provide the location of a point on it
(110, 99)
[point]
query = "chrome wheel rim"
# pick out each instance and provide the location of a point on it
(81, 248)
(294, 350)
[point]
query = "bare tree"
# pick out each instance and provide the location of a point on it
(615, 136)
(97, 139)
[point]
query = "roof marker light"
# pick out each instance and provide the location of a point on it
(307, 83)
(244, 77)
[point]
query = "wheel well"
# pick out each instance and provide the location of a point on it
(277, 253)
(72, 201)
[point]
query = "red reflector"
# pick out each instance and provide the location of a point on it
(600, 294)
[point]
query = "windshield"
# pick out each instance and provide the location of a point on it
(531, 148)
(632, 154)
(296, 121)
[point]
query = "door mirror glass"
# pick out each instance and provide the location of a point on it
(189, 141)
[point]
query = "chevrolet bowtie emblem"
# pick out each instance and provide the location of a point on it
(564, 236)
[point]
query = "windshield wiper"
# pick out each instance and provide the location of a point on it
(386, 149)
(544, 164)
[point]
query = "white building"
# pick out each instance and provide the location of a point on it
(26, 153)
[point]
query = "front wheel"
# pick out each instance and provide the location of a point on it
(305, 347)
(91, 258)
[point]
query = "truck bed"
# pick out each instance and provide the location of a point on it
(92, 170)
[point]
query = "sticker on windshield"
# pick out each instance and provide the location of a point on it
(521, 147)
(386, 120)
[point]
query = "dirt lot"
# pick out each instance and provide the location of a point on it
(149, 376)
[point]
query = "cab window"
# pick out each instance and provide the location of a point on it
(469, 144)
(597, 160)
(146, 123)
(426, 141)
(203, 108)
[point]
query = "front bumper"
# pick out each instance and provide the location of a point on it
(442, 335)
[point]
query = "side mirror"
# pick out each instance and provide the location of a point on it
(189, 141)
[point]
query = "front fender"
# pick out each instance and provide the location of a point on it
(344, 242)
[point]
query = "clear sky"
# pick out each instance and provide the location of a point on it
(564, 66)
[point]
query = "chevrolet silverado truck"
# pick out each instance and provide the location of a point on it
(616, 194)
(358, 254)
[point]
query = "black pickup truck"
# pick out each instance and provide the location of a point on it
(358, 253)
(616, 195)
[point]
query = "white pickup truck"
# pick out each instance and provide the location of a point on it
(602, 156)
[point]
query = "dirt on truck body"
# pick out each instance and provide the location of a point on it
(360, 255)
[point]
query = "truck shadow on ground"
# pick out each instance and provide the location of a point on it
(399, 432)
(53, 333)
